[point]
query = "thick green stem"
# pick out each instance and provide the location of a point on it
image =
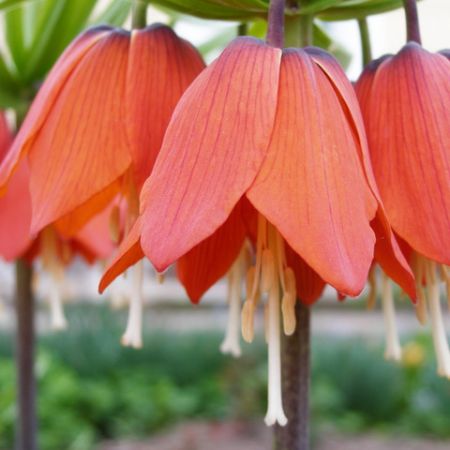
(139, 14)
(366, 47)
(298, 31)
(26, 436)
(412, 21)
(242, 29)
(295, 360)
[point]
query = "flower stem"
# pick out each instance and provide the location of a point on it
(26, 419)
(139, 14)
(366, 45)
(412, 21)
(275, 26)
(295, 360)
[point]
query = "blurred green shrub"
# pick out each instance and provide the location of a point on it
(91, 389)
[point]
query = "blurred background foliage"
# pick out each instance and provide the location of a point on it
(91, 390)
(35, 32)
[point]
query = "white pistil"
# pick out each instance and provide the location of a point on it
(393, 349)
(438, 330)
(57, 318)
(275, 413)
(133, 333)
(231, 343)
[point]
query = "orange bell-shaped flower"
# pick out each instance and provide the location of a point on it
(98, 120)
(405, 100)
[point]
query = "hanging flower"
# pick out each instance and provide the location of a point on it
(278, 132)
(97, 123)
(96, 126)
(92, 242)
(405, 100)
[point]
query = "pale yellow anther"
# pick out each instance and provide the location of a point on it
(267, 270)
(114, 224)
(421, 306)
(247, 320)
(290, 285)
(160, 277)
(288, 310)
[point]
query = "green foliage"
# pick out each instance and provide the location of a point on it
(253, 9)
(36, 32)
(91, 389)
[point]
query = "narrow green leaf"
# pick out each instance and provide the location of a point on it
(115, 13)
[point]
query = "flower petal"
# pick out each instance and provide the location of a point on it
(309, 285)
(210, 260)
(15, 215)
(390, 257)
(407, 115)
(161, 67)
(46, 97)
(82, 147)
(212, 150)
(311, 185)
(129, 253)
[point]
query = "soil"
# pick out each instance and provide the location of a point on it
(255, 436)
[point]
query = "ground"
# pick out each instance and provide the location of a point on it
(255, 436)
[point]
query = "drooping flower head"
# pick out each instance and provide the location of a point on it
(97, 122)
(405, 100)
(55, 251)
(275, 135)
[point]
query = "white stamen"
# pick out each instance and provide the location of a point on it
(275, 413)
(438, 330)
(231, 343)
(57, 318)
(133, 333)
(393, 348)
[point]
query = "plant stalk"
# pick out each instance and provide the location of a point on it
(412, 21)
(139, 14)
(366, 46)
(295, 361)
(275, 23)
(26, 431)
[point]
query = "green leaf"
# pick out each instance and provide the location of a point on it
(14, 36)
(62, 21)
(114, 14)
(218, 9)
(358, 9)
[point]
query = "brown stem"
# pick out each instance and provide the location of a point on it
(275, 23)
(412, 21)
(295, 354)
(26, 421)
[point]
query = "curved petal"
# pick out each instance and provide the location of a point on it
(129, 253)
(389, 256)
(309, 285)
(46, 97)
(386, 249)
(82, 147)
(161, 66)
(407, 116)
(70, 224)
(95, 235)
(311, 185)
(212, 150)
(210, 260)
(15, 216)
